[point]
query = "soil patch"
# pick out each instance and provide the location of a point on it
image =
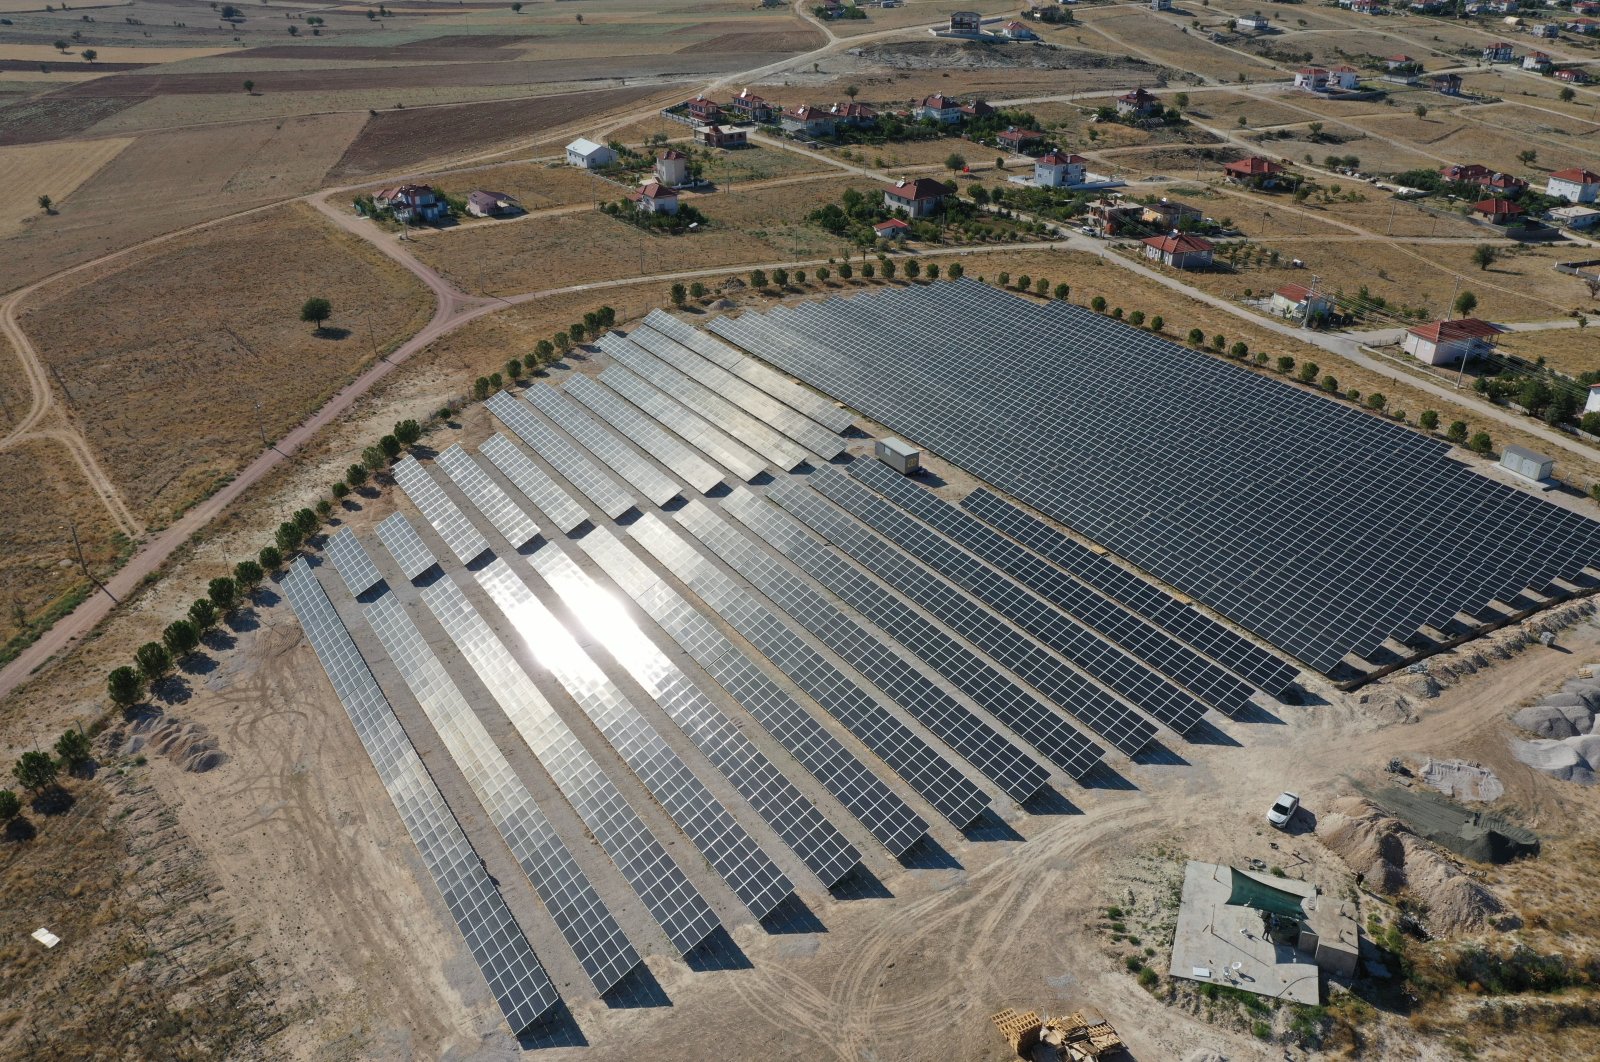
(793, 40)
(58, 117)
(934, 55)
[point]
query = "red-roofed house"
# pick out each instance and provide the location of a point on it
(1466, 173)
(809, 120)
(1344, 77)
(1016, 31)
(1575, 185)
(703, 110)
(1500, 52)
(855, 114)
(1137, 104)
(749, 106)
(412, 202)
(1311, 78)
(485, 204)
(1056, 170)
(1019, 140)
(1586, 26)
(655, 198)
(1447, 342)
(672, 168)
(976, 109)
(893, 229)
(918, 198)
(1572, 77)
(1401, 63)
(1300, 302)
(1499, 211)
(1538, 62)
(1179, 250)
(940, 108)
(1254, 171)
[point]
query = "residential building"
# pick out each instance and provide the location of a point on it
(587, 155)
(1500, 52)
(1536, 61)
(918, 198)
(672, 168)
(1575, 185)
(1587, 26)
(855, 115)
(1056, 170)
(1366, 7)
(721, 136)
(1169, 214)
(750, 107)
(807, 120)
(1401, 63)
(412, 203)
(1300, 303)
(1572, 76)
(893, 229)
(1137, 104)
(1545, 30)
(939, 108)
(1592, 403)
(1179, 250)
(704, 111)
(1108, 217)
(975, 109)
(1446, 84)
(1016, 31)
(1020, 140)
(1252, 24)
(1347, 78)
(1577, 218)
(1160, 5)
(966, 22)
(1311, 78)
(1255, 172)
(1499, 211)
(1466, 173)
(486, 204)
(1505, 184)
(655, 198)
(1447, 342)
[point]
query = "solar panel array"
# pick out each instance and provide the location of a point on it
(712, 441)
(667, 893)
(519, 984)
(1066, 688)
(1242, 656)
(999, 695)
(1206, 680)
(791, 394)
(733, 853)
(487, 496)
(1013, 770)
(923, 768)
(464, 540)
(353, 564)
(887, 817)
(1097, 657)
(603, 443)
(645, 433)
(794, 818)
(546, 495)
(1323, 529)
(561, 454)
(405, 545)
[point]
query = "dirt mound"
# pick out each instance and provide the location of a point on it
(1395, 860)
(946, 55)
(1565, 723)
(189, 745)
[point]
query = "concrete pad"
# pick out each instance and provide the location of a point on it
(1212, 936)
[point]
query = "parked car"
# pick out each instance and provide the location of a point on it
(1283, 810)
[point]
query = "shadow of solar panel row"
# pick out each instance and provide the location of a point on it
(1074, 694)
(405, 545)
(352, 563)
(795, 396)
(711, 441)
(603, 443)
(995, 693)
(560, 454)
(763, 438)
(731, 852)
(795, 819)
(1321, 528)
(659, 882)
(887, 817)
(514, 525)
(974, 740)
(1120, 672)
(1202, 678)
(1235, 652)
(464, 540)
(645, 432)
(552, 502)
(803, 430)
(927, 772)
(599, 944)
(519, 984)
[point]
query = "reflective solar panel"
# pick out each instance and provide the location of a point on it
(353, 564)
(923, 768)
(556, 504)
(732, 852)
(514, 525)
(794, 818)
(996, 693)
(973, 739)
(645, 433)
(616, 826)
(561, 454)
(405, 545)
(888, 818)
(604, 443)
(464, 540)
(713, 442)
(519, 984)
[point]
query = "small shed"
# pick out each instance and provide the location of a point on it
(898, 455)
(1526, 463)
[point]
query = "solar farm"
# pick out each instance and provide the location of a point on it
(709, 669)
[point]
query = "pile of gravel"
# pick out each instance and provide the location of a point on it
(1567, 741)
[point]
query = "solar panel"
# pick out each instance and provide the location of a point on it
(1066, 688)
(794, 818)
(514, 525)
(1239, 654)
(405, 545)
(519, 984)
(353, 564)
(556, 504)
(808, 433)
(1120, 672)
(791, 394)
(1139, 638)
(561, 454)
(944, 787)
(660, 883)
(645, 433)
(464, 540)
(888, 818)
(603, 443)
(713, 442)
(994, 692)
(733, 853)
(599, 944)
(761, 437)
(1013, 770)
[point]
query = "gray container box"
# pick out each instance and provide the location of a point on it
(1526, 463)
(898, 455)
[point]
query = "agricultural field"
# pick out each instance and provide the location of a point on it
(1573, 351)
(55, 169)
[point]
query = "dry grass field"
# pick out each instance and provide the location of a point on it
(1573, 351)
(54, 169)
(162, 346)
(1132, 30)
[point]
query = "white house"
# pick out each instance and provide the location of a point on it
(1252, 24)
(1016, 31)
(1299, 302)
(1179, 250)
(1311, 78)
(672, 168)
(1344, 77)
(940, 108)
(1576, 217)
(917, 198)
(1536, 61)
(1160, 5)
(656, 198)
(1574, 185)
(1056, 170)
(1592, 403)
(587, 155)
(1447, 342)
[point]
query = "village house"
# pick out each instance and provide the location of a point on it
(939, 108)
(750, 107)
(587, 155)
(806, 120)
(672, 168)
(1179, 250)
(1019, 141)
(486, 204)
(1300, 303)
(1169, 214)
(1446, 84)
(1160, 5)
(893, 229)
(721, 136)
(1500, 52)
(704, 111)
(1577, 218)
(918, 198)
(655, 198)
(1585, 25)
(856, 115)
(1545, 30)
(1447, 342)
(1498, 211)
(1366, 7)
(1108, 217)
(1537, 62)
(1572, 76)
(1311, 78)
(1256, 23)
(1399, 64)
(1346, 78)
(1574, 185)
(412, 203)
(975, 109)
(1056, 170)
(1016, 31)
(1137, 104)
(966, 22)
(1255, 172)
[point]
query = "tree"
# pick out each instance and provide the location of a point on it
(852, 91)
(697, 290)
(1308, 372)
(1480, 443)
(374, 457)
(823, 273)
(324, 508)
(90, 55)
(1181, 100)
(1041, 286)
(1457, 432)
(1157, 323)
(1466, 302)
(247, 575)
(1484, 255)
(913, 268)
(578, 333)
(888, 269)
(35, 770)
(1196, 337)
(563, 342)
(758, 279)
(1285, 365)
(356, 475)
(122, 686)
(180, 638)
(513, 372)
(517, 7)
(315, 312)
(956, 271)
(1420, 111)
(47, 204)
(1062, 291)
(153, 660)
(780, 278)
(1219, 341)
(979, 194)
(270, 558)
(1527, 156)
(1429, 419)
(1566, 95)
(1376, 400)
(74, 749)
(1330, 384)
(800, 276)
(288, 537)
(1316, 131)
(1004, 279)
(409, 431)
(10, 806)
(544, 350)
(249, 87)
(868, 270)
(679, 294)
(846, 270)
(1136, 318)
(955, 162)
(933, 270)
(62, 46)
(1024, 282)
(203, 614)
(306, 521)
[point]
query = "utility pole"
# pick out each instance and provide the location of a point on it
(84, 564)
